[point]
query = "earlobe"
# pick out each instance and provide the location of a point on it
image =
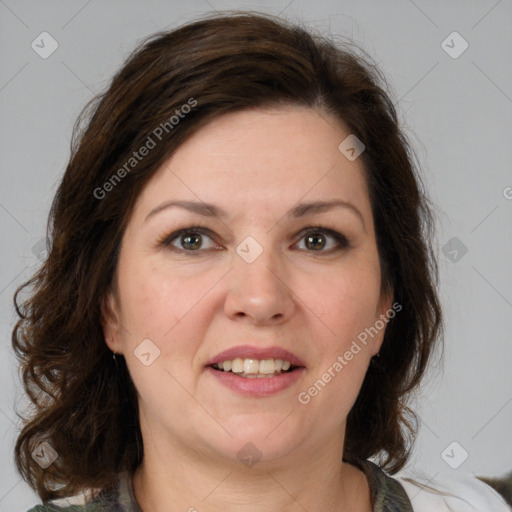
(110, 322)
(386, 302)
(385, 313)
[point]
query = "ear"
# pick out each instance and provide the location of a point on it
(385, 312)
(385, 301)
(110, 320)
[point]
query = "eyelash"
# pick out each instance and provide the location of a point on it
(167, 240)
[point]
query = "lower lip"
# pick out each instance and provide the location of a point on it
(264, 386)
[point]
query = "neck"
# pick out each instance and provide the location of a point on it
(175, 478)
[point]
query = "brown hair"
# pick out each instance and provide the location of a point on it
(85, 406)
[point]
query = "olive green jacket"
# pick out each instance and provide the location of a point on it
(388, 495)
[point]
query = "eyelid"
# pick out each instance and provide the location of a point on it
(340, 238)
(167, 239)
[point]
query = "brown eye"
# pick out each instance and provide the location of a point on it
(191, 241)
(317, 239)
(187, 240)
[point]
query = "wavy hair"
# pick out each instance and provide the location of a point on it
(84, 405)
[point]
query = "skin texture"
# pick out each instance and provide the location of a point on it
(312, 301)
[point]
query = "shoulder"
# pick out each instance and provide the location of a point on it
(95, 500)
(54, 507)
(451, 494)
(74, 504)
(118, 497)
(62, 506)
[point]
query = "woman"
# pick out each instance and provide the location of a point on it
(242, 226)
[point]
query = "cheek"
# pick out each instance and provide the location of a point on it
(155, 302)
(346, 306)
(166, 310)
(172, 310)
(347, 301)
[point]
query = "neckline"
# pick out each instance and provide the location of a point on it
(387, 494)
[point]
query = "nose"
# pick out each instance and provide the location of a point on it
(259, 291)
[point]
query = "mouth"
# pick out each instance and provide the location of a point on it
(250, 368)
(255, 371)
(257, 385)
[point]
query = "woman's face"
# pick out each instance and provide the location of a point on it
(269, 272)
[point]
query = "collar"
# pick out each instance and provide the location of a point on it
(387, 494)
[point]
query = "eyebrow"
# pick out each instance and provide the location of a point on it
(300, 210)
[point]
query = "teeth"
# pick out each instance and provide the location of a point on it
(253, 368)
(266, 366)
(237, 365)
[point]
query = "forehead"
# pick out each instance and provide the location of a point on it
(260, 159)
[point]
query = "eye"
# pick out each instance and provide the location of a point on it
(315, 239)
(190, 239)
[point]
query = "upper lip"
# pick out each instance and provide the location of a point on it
(252, 352)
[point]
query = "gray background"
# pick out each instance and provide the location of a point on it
(457, 112)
